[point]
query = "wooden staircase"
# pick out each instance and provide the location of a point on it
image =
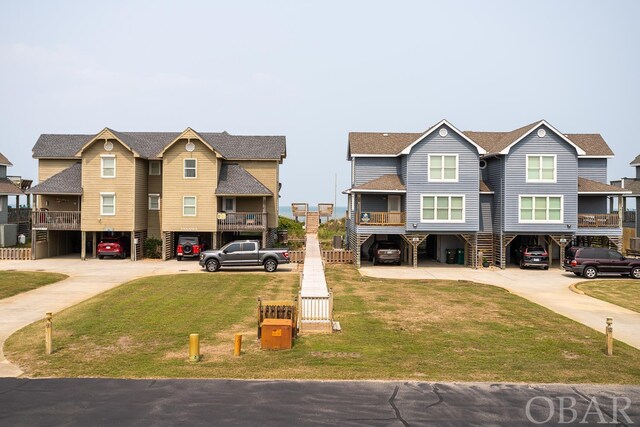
(313, 221)
(485, 245)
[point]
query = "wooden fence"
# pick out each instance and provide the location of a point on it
(296, 256)
(15, 253)
(337, 256)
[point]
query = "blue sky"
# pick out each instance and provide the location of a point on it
(314, 71)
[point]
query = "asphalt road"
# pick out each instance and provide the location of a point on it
(298, 403)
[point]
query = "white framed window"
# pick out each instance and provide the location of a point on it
(541, 168)
(189, 206)
(190, 168)
(155, 167)
(154, 202)
(107, 166)
(443, 168)
(107, 204)
(541, 209)
(442, 208)
(229, 204)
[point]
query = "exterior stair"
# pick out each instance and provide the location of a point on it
(313, 221)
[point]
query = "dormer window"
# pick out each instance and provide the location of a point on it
(443, 168)
(108, 166)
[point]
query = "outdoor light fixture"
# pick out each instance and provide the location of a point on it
(415, 225)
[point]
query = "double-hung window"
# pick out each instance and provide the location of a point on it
(190, 168)
(155, 167)
(442, 208)
(443, 168)
(108, 166)
(541, 168)
(189, 206)
(107, 203)
(545, 209)
(154, 202)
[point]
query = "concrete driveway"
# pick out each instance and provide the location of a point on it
(86, 279)
(548, 288)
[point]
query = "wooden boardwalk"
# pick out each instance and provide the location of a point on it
(316, 300)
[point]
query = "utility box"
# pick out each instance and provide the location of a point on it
(276, 334)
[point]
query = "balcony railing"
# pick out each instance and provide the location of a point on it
(611, 220)
(381, 218)
(55, 220)
(239, 221)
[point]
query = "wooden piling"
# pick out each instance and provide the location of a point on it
(48, 333)
(609, 333)
(237, 344)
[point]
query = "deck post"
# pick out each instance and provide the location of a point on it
(94, 245)
(83, 249)
(621, 210)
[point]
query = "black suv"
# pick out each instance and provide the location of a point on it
(590, 262)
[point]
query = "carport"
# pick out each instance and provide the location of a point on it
(444, 242)
(395, 238)
(170, 241)
(554, 243)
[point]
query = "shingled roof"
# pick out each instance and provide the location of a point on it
(4, 161)
(234, 180)
(68, 181)
(636, 161)
(630, 184)
(391, 144)
(8, 188)
(586, 186)
(389, 182)
(151, 144)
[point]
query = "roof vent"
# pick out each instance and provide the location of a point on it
(542, 133)
(108, 145)
(443, 132)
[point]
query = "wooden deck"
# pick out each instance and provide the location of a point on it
(242, 221)
(55, 220)
(611, 220)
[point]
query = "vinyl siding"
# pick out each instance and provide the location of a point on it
(369, 168)
(122, 185)
(592, 204)
(247, 204)
(141, 194)
(637, 172)
(486, 213)
(594, 169)
(4, 209)
(495, 178)
(154, 186)
(60, 203)
(49, 167)
(175, 187)
(3, 171)
(267, 173)
(566, 185)
(467, 185)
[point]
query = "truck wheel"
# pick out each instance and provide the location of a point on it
(212, 265)
(590, 272)
(635, 272)
(270, 265)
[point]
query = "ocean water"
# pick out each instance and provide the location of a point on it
(338, 212)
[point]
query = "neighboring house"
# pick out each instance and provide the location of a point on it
(493, 192)
(8, 232)
(154, 184)
(632, 185)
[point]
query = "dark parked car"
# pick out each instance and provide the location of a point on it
(117, 246)
(385, 252)
(244, 253)
(534, 256)
(590, 262)
(189, 247)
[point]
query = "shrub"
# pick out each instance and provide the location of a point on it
(153, 248)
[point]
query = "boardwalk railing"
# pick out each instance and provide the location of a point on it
(234, 221)
(381, 218)
(598, 220)
(15, 253)
(316, 308)
(337, 257)
(55, 220)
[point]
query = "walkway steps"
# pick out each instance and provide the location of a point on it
(313, 222)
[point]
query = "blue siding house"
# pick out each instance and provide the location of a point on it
(488, 193)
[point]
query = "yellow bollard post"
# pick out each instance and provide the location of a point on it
(609, 333)
(237, 345)
(48, 334)
(194, 348)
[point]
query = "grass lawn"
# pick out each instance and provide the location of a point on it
(422, 330)
(15, 282)
(625, 293)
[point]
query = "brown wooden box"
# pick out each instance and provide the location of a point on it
(276, 334)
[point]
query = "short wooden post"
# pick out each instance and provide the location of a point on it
(609, 333)
(194, 348)
(237, 344)
(48, 334)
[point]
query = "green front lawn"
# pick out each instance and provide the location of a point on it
(625, 293)
(15, 282)
(421, 330)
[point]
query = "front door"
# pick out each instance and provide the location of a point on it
(394, 207)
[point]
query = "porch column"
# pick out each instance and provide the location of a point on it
(610, 204)
(621, 209)
(264, 239)
(83, 249)
(359, 202)
(94, 244)
(357, 251)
